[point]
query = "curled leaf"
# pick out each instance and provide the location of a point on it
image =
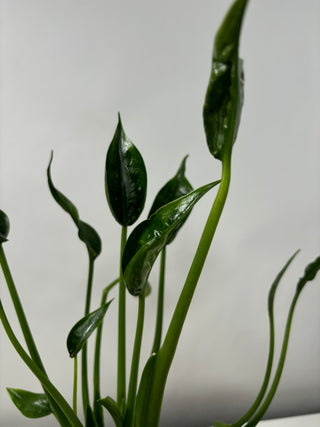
(82, 330)
(144, 391)
(149, 237)
(4, 226)
(86, 233)
(31, 405)
(224, 97)
(309, 273)
(177, 186)
(125, 178)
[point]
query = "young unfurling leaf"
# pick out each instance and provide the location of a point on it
(224, 97)
(86, 233)
(125, 178)
(149, 237)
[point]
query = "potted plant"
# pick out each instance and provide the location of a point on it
(138, 398)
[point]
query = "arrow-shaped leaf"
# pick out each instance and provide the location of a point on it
(125, 178)
(148, 238)
(177, 186)
(31, 405)
(82, 330)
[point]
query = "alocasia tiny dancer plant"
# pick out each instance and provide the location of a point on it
(138, 403)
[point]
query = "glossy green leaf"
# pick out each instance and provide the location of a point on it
(113, 409)
(86, 233)
(144, 391)
(125, 178)
(309, 274)
(177, 186)
(149, 237)
(4, 227)
(224, 97)
(82, 330)
(31, 405)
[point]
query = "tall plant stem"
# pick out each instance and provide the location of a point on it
(38, 372)
(159, 321)
(84, 367)
(277, 376)
(135, 365)
(166, 353)
(26, 331)
(75, 384)
(121, 387)
(98, 410)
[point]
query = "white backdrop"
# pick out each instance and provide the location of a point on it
(67, 68)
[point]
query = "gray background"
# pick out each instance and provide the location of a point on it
(67, 68)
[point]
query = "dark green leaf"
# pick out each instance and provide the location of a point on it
(224, 97)
(82, 330)
(91, 238)
(31, 405)
(4, 226)
(148, 238)
(309, 274)
(113, 408)
(144, 392)
(177, 186)
(125, 178)
(86, 233)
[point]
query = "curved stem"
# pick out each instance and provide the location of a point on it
(159, 321)
(27, 332)
(98, 411)
(42, 377)
(166, 353)
(279, 370)
(135, 365)
(121, 386)
(84, 367)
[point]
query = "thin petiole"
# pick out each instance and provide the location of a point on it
(97, 355)
(279, 370)
(75, 384)
(121, 386)
(42, 377)
(84, 368)
(135, 365)
(35, 356)
(159, 321)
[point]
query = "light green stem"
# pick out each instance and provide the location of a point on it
(98, 410)
(166, 353)
(84, 362)
(38, 372)
(121, 389)
(279, 370)
(135, 365)
(75, 384)
(159, 321)
(58, 413)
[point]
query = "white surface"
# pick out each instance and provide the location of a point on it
(304, 420)
(67, 68)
